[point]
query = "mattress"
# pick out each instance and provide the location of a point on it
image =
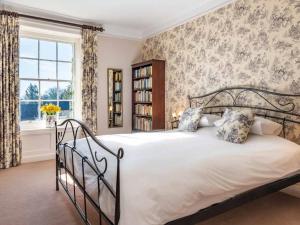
(169, 175)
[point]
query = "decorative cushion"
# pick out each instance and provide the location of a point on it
(190, 119)
(236, 126)
(264, 126)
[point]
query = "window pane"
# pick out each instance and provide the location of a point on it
(48, 90)
(46, 60)
(47, 70)
(65, 52)
(48, 102)
(29, 48)
(48, 50)
(29, 90)
(65, 90)
(66, 109)
(28, 68)
(64, 71)
(29, 110)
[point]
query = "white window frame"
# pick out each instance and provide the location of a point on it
(54, 34)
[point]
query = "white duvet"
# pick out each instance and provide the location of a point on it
(169, 175)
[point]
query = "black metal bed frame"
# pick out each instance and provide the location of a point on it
(277, 106)
(80, 130)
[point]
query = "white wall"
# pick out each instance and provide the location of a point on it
(115, 53)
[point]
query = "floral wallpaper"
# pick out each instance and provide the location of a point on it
(248, 42)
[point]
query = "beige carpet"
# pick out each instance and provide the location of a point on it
(28, 197)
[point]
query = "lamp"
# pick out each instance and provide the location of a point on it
(174, 115)
(180, 114)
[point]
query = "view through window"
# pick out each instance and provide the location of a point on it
(46, 76)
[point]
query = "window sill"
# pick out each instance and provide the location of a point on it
(37, 127)
(33, 127)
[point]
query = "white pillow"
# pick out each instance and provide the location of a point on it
(264, 126)
(208, 120)
(222, 119)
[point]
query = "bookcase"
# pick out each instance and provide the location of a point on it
(115, 117)
(148, 95)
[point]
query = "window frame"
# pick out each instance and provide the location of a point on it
(58, 37)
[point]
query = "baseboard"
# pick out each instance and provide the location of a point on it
(36, 158)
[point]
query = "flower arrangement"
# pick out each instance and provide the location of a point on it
(50, 109)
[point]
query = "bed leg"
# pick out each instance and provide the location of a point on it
(56, 172)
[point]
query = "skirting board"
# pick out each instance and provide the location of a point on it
(36, 158)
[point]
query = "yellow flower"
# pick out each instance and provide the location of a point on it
(50, 109)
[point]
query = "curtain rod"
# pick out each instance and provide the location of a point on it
(101, 29)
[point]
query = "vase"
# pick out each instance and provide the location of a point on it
(50, 121)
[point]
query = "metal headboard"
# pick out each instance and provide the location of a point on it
(271, 104)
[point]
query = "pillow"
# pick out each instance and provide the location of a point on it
(208, 120)
(224, 118)
(264, 126)
(190, 119)
(236, 126)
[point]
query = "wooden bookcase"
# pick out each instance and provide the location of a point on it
(148, 95)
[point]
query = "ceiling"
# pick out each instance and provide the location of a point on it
(127, 18)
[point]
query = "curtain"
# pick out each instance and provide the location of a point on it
(10, 141)
(89, 78)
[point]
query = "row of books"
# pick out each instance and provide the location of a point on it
(142, 84)
(118, 97)
(144, 124)
(118, 86)
(118, 120)
(142, 72)
(145, 110)
(143, 96)
(118, 108)
(118, 76)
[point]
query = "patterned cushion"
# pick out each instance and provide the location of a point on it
(190, 119)
(236, 126)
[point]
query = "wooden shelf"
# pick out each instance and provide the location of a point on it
(146, 116)
(157, 119)
(143, 89)
(139, 130)
(145, 103)
(140, 78)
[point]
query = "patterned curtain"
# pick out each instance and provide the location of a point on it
(10, 142)
(89, 78)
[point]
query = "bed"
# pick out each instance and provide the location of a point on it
(176, 177)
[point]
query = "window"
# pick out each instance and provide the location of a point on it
(46, 76)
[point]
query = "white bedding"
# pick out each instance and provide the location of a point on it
(169, 175)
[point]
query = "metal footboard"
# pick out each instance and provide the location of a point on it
(72, 165)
